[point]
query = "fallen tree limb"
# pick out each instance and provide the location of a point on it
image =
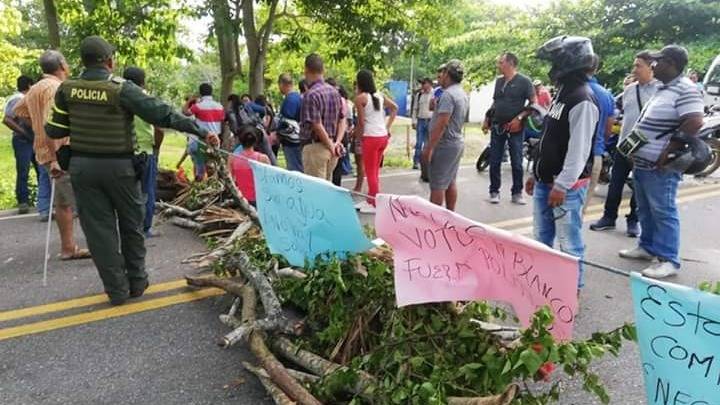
(168, 210)
(278, 396)
(508, 333)
(187, 223)
(301, 376)
(318, 365)
(232, 285)
(226, 247)
(290, 272)
(277, 372)
(260, 282)
(503, 399)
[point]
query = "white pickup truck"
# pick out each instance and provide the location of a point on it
(711, 84)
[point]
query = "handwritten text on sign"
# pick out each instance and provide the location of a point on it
(303, 216)
(679, 336)
(442, 256)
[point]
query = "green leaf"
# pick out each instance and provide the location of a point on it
(508, 366)
(416, 361)
(531, 360)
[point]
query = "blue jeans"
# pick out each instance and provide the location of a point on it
(421, 137)
(656, 191)
(498, 138)
(43, 193)
(564, 221)
(149, 184)
(293, 157)
(24, 157)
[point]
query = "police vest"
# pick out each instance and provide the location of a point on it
(550, 158)
(98, 124)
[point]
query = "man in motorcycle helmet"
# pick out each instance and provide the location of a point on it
(669, 122)
(564, 162)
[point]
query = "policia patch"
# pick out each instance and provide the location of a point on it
(94, 92)
(80, 94)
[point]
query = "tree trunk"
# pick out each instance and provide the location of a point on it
(257, 41)
(52, 23)
(257, 75)
(227, 39)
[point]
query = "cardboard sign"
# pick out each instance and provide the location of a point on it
(678, 332)
(442, 256)
(304, 216)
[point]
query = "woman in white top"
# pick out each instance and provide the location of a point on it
(374, 129)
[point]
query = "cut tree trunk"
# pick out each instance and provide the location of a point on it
(318, 365)
(278, 396)
(277, 372)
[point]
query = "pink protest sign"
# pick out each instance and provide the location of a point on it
(442, 256)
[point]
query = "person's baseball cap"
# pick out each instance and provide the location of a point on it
(676, 53)
(537, 82)
(95, 49)
(441, 67)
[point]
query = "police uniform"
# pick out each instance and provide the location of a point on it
(96, 111)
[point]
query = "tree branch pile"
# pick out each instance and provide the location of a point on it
(351, 342)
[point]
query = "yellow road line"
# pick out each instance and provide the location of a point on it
(114, 312)
(80, 302)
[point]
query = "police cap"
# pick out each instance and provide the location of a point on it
(95, 49)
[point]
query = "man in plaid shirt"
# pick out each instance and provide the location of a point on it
(322, 123)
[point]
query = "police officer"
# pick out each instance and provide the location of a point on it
(97, 111)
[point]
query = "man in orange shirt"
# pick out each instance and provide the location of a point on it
(36, 106)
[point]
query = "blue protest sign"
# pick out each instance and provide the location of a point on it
(303, 216)
(679, 336)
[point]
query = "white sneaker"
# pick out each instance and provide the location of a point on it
(637, 253)
(494, 198)
(367, 209)
(359, 205)
(660, 270)
(518, 199)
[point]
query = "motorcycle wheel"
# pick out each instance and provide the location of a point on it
(714, 144)
(483, 161)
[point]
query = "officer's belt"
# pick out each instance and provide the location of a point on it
(102, 155)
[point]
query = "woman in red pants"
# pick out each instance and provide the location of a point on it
(373, 127)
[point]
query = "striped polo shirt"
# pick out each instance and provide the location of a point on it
(209, 114)
(662, 116)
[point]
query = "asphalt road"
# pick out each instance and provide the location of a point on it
(162, 350)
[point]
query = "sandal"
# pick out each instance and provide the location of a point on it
(78, 254)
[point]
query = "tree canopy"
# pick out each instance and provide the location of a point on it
(249, 43)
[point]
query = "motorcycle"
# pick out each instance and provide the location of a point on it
(710, 134)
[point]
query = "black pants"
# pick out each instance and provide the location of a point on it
(620, 171)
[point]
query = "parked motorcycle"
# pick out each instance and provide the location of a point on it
(710, 134)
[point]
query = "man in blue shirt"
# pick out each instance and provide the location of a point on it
(22, 143)
(606, 107)
(290, 109)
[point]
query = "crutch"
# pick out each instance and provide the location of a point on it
(49, 227)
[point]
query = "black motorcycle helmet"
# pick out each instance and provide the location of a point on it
(567, 54)
(692, 157)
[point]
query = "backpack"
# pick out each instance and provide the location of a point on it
(287, 130)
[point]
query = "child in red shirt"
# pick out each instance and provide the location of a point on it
(247, 136)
